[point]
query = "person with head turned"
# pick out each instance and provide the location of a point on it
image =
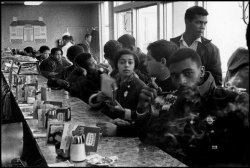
(110, 50)
(44, 53)
(54, 64)
(66, 44)
(85, 79)
(86, 42)
(156, 64)
(196, 21)
(238, 67)
(29, 51)
(61, 79)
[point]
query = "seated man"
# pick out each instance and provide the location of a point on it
(197, 127)
(44, 53)
(60, 79)
(110, 50)
(54, 64)
(85, 79)
(157, 59)
(29, 51)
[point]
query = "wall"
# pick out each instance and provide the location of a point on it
(56, 17)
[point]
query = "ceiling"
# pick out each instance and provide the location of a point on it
(52, 2)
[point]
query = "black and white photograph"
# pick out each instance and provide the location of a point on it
(161, 83)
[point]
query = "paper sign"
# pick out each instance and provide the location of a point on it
(91, 135)
(63, 114)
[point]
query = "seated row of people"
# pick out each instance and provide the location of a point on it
(195, 107)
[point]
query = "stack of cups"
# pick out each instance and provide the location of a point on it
(77, 152)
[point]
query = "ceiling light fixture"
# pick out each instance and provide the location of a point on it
(33, 2)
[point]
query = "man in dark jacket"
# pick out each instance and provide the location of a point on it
(54, 64)
(196, 20)
(204, 125)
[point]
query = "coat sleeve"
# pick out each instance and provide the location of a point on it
(215, 64)
(46, 67)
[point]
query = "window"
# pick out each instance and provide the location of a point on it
(226, 29)
(28, 33)
(123, 23)
(117, 3)
(146, 26)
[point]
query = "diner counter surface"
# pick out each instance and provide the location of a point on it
(131, 152)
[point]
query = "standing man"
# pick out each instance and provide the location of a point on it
(66, 45)
(86, 43)
(195, 21)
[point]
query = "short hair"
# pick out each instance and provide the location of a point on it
(111, 48)
(43, 48)
(85, 48)
(87, 35)
(123, 52)
(73, 51)
(195, 10)
(54, 50)
(66, 38)
(28, 49)
(127, 41)
(81, 60)
(184, 53)
(162, 49)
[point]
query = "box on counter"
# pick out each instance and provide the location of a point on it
(63, 114)
(91, 135)
(54, 132)
(27, 110)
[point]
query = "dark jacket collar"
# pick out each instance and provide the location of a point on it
(207, 85)
(176, 40)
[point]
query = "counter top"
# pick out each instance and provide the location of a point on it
(131, 152)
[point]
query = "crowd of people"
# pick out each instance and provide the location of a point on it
(173, 96)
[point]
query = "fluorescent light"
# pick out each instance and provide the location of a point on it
(33, 2)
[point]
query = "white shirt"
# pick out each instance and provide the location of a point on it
(65, 49)
(193, 46)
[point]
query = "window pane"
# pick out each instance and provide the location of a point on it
(147, 27)
(226, 29)
(179, 10)
(117, 3)
(123, 23)
(169, 23)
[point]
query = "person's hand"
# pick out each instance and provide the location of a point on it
(101, 97)
(120, 122)
(53, 74)
(107, 128)
(115, 106)
(146, 97)
(62, 83)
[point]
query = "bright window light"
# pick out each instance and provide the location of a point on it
(33, 2)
